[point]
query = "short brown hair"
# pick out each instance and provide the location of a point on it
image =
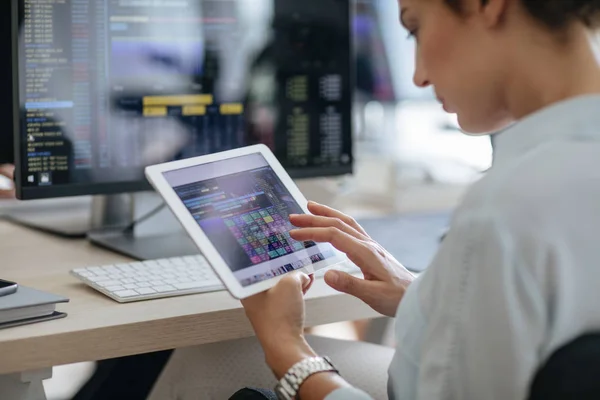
(555, 14)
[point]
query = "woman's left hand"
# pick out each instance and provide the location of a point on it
(277, 317)
(7, 171)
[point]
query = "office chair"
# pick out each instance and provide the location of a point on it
(571, 373)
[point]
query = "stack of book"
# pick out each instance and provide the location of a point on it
(27, 306)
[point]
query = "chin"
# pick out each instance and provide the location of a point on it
(479, 126)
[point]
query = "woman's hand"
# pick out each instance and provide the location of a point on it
(277, 317)
(385, 279)
(7, 171)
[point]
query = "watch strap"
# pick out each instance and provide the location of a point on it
(289, 385)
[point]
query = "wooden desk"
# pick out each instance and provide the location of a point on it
(99, 328)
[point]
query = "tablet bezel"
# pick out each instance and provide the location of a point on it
(155, 175)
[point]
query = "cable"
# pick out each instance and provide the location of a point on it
(145, 217)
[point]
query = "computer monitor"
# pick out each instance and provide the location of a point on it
(105, 88)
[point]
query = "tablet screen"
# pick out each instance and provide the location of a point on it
(243, 208)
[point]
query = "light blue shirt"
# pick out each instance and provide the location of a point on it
(518, 275)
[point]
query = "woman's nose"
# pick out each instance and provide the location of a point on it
(420, 77)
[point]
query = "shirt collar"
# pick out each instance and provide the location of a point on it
(573, 119)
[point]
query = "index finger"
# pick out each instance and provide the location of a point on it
(322, 210)
(357, 250)
(317, 221)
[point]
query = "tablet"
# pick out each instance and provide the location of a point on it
(235, 206)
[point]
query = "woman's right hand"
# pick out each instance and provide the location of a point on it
(385, 279)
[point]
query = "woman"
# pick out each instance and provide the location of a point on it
(516, 278)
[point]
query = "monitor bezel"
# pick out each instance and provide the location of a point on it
(24, 192)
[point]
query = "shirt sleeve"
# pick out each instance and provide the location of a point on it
(485, 314)
(348, 394)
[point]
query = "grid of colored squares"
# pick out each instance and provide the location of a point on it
(264, 235)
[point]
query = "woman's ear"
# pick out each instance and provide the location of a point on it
(493, 11)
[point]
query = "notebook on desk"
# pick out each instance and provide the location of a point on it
(27, 306)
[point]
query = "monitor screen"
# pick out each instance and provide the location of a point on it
(105, 88)
(244, 209)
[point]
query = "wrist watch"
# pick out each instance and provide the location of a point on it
(288, 386)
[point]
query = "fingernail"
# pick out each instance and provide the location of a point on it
(305, 279)
(314, 203)
(293, 215)
(332, 277)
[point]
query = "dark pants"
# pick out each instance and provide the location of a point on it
(127, 378)
(254, 394)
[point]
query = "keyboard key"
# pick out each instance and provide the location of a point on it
(126, 293)
(189, 285)
(164, 288)
(198, 284)
(138, 266)
(145, 290)
(130, 286)
(157, 283)
(124, 267)
(107, 283)
(96, 278)
(97, 271)
(115, 288)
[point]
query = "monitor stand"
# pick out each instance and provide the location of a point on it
(153, 239)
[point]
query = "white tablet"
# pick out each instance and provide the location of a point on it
(235, 206)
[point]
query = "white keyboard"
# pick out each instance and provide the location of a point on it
(152, 279)
(157, 279)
